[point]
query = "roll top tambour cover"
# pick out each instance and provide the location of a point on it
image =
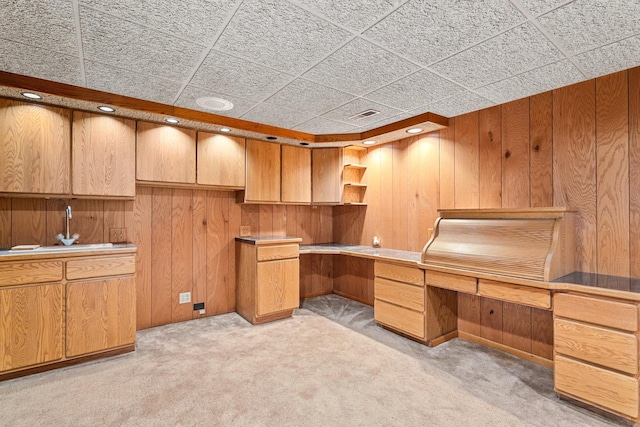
(534, 243)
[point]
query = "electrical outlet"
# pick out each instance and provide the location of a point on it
(118, 235)
(245, 231)
(185, 297)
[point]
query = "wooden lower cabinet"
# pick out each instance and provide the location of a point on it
(267, 280)
(596, 352)
(101, 314)
(30, 325)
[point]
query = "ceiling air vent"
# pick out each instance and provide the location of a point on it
(366, 113)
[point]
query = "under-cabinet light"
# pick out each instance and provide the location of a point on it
(31, 95)
(414, 130)
(172, 120)
(106, 109)
(369, 142)
(225, 130)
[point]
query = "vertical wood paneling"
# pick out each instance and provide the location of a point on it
(469, 313)
(371, 197)
(292, 220)
(161, 257)
(447, 166)
(385, 224)
(250, 215)
(29, 222)
(399, 201)
(516, 326)
(541, 149)
(423, 168)
(316, 275)
(542, 333)
(234, 226)
(181, 253)
(304, 230)
(5, 223)
(467, 187)
(491, 319)
(634, 171)
(218, 287)
(114, 217)
(612, 149)
(574, 165)
(490, 146)
(515, 154)
(142, 237)
(266, 220)
(279, 225)
(321, 224)
(199, 250)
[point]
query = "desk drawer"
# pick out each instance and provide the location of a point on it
(605, 347)
(614, 314)
(400, 318)
(609, 390)
(400, 273)
(453, 282)
(408, 296)
(87, 268)
(27, 272)
(518, 294)
(270, 253)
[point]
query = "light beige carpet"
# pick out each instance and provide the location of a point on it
(327, 366)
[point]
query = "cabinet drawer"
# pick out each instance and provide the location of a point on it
(400, 318)
(408, 296)
(607, 389)
(100, 267)
(605, 347)
(400, 273)
(524, 295)
(614, 314)
(28, 272)
(268, 253)
(452, 282)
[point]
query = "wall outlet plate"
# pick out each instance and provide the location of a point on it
(118, 235)
(245, 231)
(185, 297)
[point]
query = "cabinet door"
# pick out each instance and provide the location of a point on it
(34, 148)
(278, 286)
(296, 174)
(103, 155)
(327, 167)
(165, 154)
(101, 314)
(221, 160)
(30, 325)
(263, 172)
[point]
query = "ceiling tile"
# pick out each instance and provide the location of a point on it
(430, 30)
(46, 24)
(464, 102)
(303, 95)
(359, 105)
(586, 24)
(41, 63)
(418, 89)
(122, 82)
(520, 49)
(536, 7)
(360, 67)
(388, 120)
(561, 73)
(356, 15)
(279, 35)
(611, 58)
(190, 94)
(267, 114)
(321, 125)
(227, 74)
(119, 43)
(197, 20)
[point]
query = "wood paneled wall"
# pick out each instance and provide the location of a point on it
(577, 146)
(185, 241)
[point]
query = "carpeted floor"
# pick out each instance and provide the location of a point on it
(329, 365)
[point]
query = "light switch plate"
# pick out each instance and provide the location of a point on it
(245, 231)
(185, 297)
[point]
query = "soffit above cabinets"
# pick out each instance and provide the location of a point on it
(311, 65)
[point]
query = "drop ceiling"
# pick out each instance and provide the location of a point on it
(310, 65)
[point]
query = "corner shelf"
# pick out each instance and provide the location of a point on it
(354, 166)
(353, 169)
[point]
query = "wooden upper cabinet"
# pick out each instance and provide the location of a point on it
(165, 154)
(34, 148)
(296, 174)
(103, 155)
(263, 172)
(221, 160)
(327, 170)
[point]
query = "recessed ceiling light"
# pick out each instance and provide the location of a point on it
(369, 142)
(31, 95)
(171, 120)
(414, 130)
(271, 138)
(304, 144)
(106, 109)
(214, 104)
(225, 130)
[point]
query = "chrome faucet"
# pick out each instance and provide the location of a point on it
(68, 240)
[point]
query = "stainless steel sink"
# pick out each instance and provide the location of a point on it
(61, 248)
